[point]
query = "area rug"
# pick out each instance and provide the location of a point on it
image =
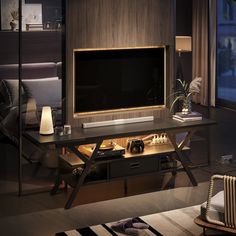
(169, 223)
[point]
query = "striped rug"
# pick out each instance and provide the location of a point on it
(169, 223)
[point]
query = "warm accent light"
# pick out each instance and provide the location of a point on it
(46, 124)
(183, 43)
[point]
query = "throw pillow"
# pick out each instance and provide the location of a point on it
(9, 92)
(46, 92)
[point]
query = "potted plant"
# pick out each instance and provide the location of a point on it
(185, 92)
(15, 17)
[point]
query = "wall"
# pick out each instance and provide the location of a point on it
(123, 23)
(183, 17)
(184, 27)
(37, 46)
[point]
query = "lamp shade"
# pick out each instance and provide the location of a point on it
(46, 124)
(183, 43)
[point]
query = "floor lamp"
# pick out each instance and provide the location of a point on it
(182, 44)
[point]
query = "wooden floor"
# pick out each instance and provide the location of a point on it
(42, 214)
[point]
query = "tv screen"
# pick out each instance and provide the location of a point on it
(108, 80)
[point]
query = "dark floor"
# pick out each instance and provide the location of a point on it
(42, 214)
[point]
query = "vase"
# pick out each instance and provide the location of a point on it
(186, 105)
(13, 25)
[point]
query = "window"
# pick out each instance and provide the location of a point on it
(228, 10)
(226, 54)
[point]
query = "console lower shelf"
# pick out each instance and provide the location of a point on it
(154, 159)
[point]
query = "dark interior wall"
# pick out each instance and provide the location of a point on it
(37, 46)
(9, 47)
(183, 17)
(184, 27)
(112, 24)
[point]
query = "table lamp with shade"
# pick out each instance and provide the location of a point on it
(46, 123)
(182, 44)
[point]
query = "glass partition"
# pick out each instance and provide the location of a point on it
(31, 51)
(9, 95)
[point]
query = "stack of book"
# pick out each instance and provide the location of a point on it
(193, 116)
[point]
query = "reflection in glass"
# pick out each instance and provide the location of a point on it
(41, 85)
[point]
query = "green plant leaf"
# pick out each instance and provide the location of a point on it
(175, 100)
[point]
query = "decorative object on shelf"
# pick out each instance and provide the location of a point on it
(9, 14)
(62, 130)
(31, 14)
(58, 24)
(13, 25)
(59, 130)
(67, 129)
(135, 145)
(186, 105)
(184, 93)
(46, 124)
(182, 44)
(156, 139)
(107, 145)
(47, 25)
(106, 150)
(15, 17)
(34, 27)
(159, 139)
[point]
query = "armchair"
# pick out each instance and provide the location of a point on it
(219, 212)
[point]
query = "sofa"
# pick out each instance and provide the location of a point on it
(41, 86)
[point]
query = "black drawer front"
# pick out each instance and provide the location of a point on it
(134, 166)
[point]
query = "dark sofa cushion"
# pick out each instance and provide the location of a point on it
(5, 94)
(9, 93)
(9, 96)
(8, 125)
(46, 92)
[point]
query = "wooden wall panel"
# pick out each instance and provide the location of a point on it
(118, 23)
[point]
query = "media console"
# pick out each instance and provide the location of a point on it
(151, 160)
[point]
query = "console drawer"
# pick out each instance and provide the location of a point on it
(134, 166)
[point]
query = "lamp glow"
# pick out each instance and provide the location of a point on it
(183, 43)
(46, 124)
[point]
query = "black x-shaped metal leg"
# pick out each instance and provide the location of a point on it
(88, 163)
(179, 151)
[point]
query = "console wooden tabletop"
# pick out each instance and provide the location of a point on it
(89, 135)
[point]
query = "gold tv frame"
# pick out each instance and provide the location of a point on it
(118, 110)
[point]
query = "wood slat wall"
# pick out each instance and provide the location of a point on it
(118, 23)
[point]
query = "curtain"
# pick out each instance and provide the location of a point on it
(201, 67)
(212, 32)
(200, 48)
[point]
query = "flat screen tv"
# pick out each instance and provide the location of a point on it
(113, 80)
